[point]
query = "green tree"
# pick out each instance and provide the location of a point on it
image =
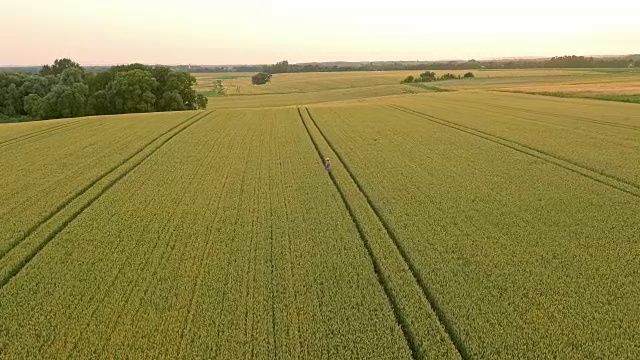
(59, 66)
(71, 76)
(38, 85)
(10, 96)
(129, 67)
(11, 103)
(33, 105)
(132, 91)
(218, 89)
(261, 78)
(64, 101)
(447, 76)
(175, 90)
(201, 101)
(280, 67)
(428, 76)
(469, 75)
(99, 81)
(171, 101)
(99, 103)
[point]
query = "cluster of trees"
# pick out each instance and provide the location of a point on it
(281, 67)
(429, 76)
(264, 76)
(65, 89)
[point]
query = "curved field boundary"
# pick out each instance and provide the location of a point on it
(426, 292)
(602, 178)
(32, 134)
(574, 117)
(27, 247)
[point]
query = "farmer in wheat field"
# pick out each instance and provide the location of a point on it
(327, 165)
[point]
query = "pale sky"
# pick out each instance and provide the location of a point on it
(35, 32)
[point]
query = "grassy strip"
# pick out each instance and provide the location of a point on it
(610, 70)
(211, 93)
(607, 97)
(430, 88)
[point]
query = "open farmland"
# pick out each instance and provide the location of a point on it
(276, 100)
(454, 225)
(312, 88)
(240, 83)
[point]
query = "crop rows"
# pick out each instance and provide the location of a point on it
(22, 133)
(270, 100)
(51, 171)
(600, 138)
(602, 178)
(452, 226)
(209, 248)
(21, 251)
(424, 332)
(526, 258)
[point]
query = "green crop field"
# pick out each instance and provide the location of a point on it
(471, 224)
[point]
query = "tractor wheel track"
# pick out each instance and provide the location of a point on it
(574, 117)
(600, 177)
(17, 266)
(36, 133)
(383, 279)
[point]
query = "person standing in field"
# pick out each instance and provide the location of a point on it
(327, 165)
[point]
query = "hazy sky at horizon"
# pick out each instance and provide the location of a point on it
(35, 32)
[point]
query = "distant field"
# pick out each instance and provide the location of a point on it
(205, 81)
(311, 82)
(469, 224)
(240, 83)
(308, 88)
(271, 100)
(625, 89)
(506, 206)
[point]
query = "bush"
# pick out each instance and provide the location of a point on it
(201, 101)
(448, 76)
(260, 78)
(409, 79)
(428, 76)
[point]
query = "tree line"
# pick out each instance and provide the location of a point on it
(429, 76)
(264, 73)
(65, 89)
(570, 61)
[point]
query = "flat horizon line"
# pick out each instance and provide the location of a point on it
(508, 58)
